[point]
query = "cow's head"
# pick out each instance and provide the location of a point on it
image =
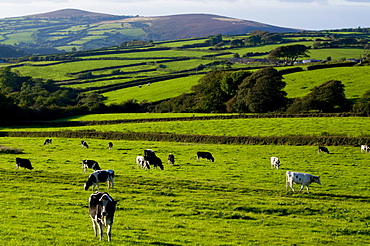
(106, 203)
(316, 179)
(92, 179)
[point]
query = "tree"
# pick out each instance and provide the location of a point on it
(289, 53)
(362, 106)
(261, 92)
(216, 88)
(327, 97)
(209, 93)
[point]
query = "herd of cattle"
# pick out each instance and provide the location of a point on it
(102, 206)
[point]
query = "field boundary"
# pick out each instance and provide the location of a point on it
(190, 118)
(201, 139)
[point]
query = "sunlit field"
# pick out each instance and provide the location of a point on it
(236, 200)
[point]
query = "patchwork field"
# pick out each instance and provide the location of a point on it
(237, 200)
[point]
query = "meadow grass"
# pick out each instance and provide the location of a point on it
(155, 92)
(355, 79)
(180, 43)
(263, 127)
(122, 116)
(160, 53)
(59, 71)
(237, 200)
(337, 53)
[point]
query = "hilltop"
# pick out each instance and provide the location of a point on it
(69, 29)
(65, 13)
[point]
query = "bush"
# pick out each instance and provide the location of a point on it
(9, 150)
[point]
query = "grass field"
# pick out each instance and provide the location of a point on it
(355, 79)
(263, 127)
(237, 200)
(155, 92)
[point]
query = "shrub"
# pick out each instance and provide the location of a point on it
(10, 150)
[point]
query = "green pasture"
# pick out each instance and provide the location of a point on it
(237, 200)
(179, 43)
(155, 91)
(355, 79)
(123, 116)
(160, 53)
(58, 71)
(263, 48)
(337, 54)
(16, 37)
(185, 65)
(262, 127)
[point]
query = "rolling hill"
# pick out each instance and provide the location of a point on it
(69, 29)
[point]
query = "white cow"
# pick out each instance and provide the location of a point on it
(142, 163)
(275, 162)
(365, 148)
(304, 179)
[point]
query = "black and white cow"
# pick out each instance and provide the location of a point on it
(304, 179)
(206, 155)
(323, 149)
(90, 164)
(84, 144)
(101, 210)
(21, 162)
(171, 159)
(153, 159)
(110, 145)
(100, 176)
(48, 141)
(275, 162)
(141, 162)
(365, 148)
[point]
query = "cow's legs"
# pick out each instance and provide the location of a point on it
(94, 227)
(109, 232)
(289, 185)
(302, 186)
(308, 190)
(101, 230)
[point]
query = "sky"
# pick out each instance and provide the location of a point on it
(301, 14)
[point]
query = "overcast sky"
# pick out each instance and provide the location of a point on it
(303, 14)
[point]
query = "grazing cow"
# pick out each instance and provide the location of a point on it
(365, 148)
(323, 149)
(171, 159)
(90, 164)
(275, 162)
(100, 176)
(304, 179)
(101, 210)
(84, 144)
(20, 162)
(110, 145)
(142, 163)
(152, 159)
(48, 141)
(205, 155)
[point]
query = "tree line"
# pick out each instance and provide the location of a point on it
(261, 92)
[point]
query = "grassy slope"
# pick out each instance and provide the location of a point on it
(356, 80)
(238, 200)
(155, 92)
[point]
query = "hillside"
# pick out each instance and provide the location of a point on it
(72, 29)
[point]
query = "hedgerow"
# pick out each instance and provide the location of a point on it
(204, 139)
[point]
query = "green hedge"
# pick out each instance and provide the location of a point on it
(206, 139)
